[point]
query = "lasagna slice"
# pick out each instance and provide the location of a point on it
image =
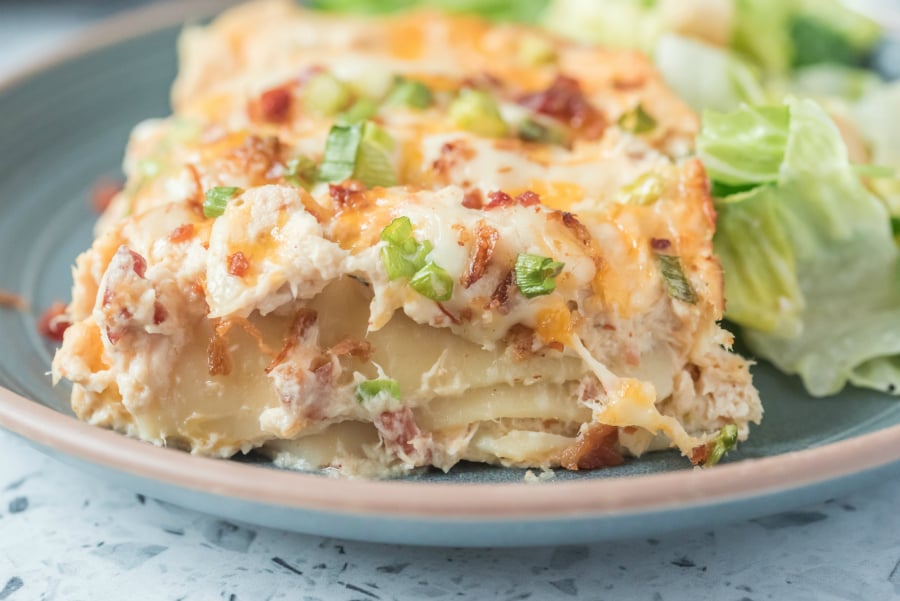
(378, 245)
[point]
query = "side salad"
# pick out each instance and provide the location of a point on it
(802, 145)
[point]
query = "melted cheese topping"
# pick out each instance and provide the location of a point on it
(266, 326)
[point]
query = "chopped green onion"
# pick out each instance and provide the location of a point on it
(325, 95)
(432, 282)
(341, 147)
(645, 190)
(677, 284)
(477, 111)
(216, 200)
(721, 444)
(530, 130)
(895, 225)
(535, 51)
(359, 111)
(301, 171)
(411, 93)
(536, 275)
(637, 121)
(403, 255)
(360, 151)
(371, 388)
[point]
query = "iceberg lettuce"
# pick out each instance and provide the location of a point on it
(811, 266)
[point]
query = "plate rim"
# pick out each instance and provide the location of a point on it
(507, 501)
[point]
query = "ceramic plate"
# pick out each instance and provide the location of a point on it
(66, 123)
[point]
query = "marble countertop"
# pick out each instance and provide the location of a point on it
(69, 536)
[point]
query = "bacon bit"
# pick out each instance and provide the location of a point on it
(53, 322)
(361, 349)
(528, 198)
(500, 296)
(473, 199)
(303, 320)
(274, 105)
(182, 233)
(556, 346)
(609, 327)
(452, 153)
(498, 198)
(593, 448)
(564, 100)
(581, 233)
(660, 243)
(140, 265)
(453, 318)
(465, 314)
(699, 454)
(159, 313)
(238, 264)
(346, 193)
(103, 192)
(217, 356)
(485, 240)
(398, 429)
(13, 301)
(520, 342)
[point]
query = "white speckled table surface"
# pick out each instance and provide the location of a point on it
(69, 536)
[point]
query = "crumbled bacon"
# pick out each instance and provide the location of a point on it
(103, 192)
(485, 240)
(238, 264)
(520, 342)
(53, 322)
(303, 320)
(140, 265)
(581, 233)
(12, 300)
(217, 357)
(352, 347)
(565, 100)
(182, 233)
(498, 198)
(346, 193)
(699, 454)
(473, 199)
(500, 296)
(660, 243)
(452, 153)
(258, 160)
(453, 318)
(398, 429)
(528, 198)
(159, 313)
(274, 105)
(595, 447)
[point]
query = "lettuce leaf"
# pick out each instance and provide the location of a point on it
(727, 82)
(811, 267)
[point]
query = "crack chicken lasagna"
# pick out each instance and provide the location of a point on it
(376, 245)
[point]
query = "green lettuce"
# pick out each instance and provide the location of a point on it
(811, 266)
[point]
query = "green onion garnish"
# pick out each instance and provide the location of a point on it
(721, 444)
(403, 255)
(301, 171)
(325, 95)
(536, 275)
(530, 130)
(432, 282)
(637, 121)
(360, 151)
(371, 388)
(677, 284)
(477, 111)
(216, 200)
(359, 111)
(410, 93)
(644, 190)
(895, 225)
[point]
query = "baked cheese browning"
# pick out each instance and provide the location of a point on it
(459, 264)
